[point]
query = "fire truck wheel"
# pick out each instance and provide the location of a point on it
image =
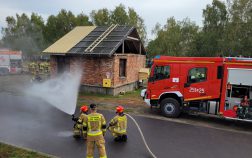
(170, 107)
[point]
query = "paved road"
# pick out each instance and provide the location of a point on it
(32, 123)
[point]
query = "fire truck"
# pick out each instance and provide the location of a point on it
(219, 86)
(10, 62)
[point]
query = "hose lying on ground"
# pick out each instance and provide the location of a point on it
(141, 133)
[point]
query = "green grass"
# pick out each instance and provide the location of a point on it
(135, 93)
(8, 151)
(108, 102)
(96, 95)
(128, 95)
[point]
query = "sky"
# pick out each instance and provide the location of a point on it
(152, 11)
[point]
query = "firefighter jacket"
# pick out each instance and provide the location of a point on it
(81, 120)
(95, 125)
(119, 124)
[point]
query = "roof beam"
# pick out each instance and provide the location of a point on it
(92, 46)
(123, 46)
(132, 38)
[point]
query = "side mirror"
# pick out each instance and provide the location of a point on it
(187, 84)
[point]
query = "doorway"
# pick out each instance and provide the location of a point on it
(63, 64)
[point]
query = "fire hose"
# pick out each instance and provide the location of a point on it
(141, 133)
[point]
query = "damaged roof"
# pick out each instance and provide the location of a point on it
(99, 41)
(64, 44)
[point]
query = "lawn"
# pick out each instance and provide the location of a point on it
(8, 151)
(132, 101)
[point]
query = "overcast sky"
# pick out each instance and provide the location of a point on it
(152, 11)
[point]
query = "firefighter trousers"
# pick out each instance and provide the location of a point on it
(100, 144)
(78, 131)
(114, 132)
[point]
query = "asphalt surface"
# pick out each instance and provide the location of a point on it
(32, 123)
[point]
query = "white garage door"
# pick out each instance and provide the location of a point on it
(240, 76)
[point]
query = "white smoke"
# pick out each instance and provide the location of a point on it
(61, 92)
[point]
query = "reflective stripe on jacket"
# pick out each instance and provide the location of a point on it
(120, 124)
(95, 121)
(81, 119)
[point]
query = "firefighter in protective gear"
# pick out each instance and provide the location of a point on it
(118, 125)
(95, 125)
(78, 126)
(32, 68)
(36, 78)
(244, 108)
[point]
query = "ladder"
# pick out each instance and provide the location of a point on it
(92, 46)
(240, 58)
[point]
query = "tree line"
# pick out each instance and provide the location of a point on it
(32, 34)
(226, 30)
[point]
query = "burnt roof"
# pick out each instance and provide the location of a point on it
(109, 44)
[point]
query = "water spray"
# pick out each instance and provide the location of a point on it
(61, 91)
(141, 133)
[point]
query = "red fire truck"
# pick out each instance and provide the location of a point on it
(212, 85)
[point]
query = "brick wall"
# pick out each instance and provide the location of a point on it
(53, 65)
(76, 63)
(94, 70)
(134, 63)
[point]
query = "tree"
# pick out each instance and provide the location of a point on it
(213, 33)
(24, 33)
(101, 17)
(57, 26)
(227, 30)
(138, 22)
(31, 35)
(239, 31)
(189, 33)
(121, 16)
(1, 44)
(175, 38)
(82, 20)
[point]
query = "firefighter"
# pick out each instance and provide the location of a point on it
(78, 126)
(244, 108)
(95, 125)
(32, 68)
(245, 101)
(118, 125)
(36, 77)
(47, 67)
(41, 66)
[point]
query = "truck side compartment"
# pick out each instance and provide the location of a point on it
(217, 86)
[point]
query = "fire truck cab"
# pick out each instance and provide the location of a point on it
(212, 85)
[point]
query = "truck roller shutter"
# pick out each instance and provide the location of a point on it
(240, 76)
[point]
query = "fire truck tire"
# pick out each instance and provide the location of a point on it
(170, 107)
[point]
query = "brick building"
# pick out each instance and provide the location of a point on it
(110, 57)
